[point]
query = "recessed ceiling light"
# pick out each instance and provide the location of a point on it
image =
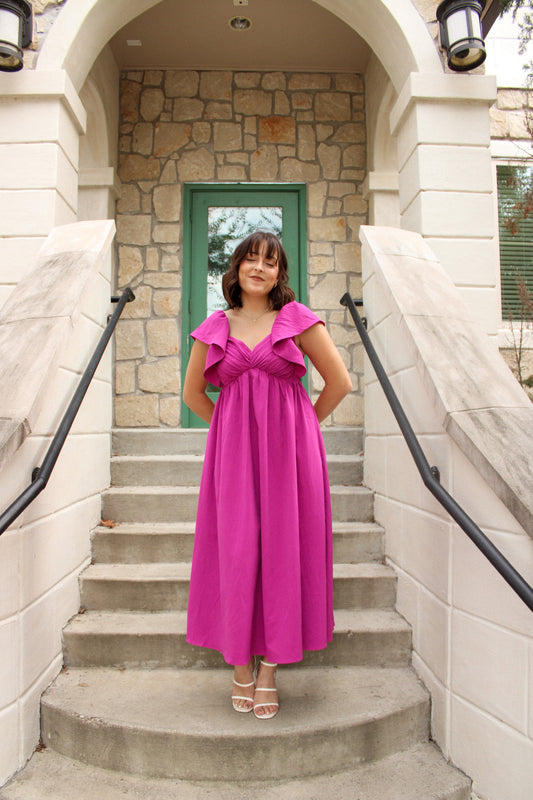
(134, 42)
(240, 23)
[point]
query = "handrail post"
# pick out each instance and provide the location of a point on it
(430, 475)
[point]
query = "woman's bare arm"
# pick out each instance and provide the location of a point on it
(195, 385)
(318, 345)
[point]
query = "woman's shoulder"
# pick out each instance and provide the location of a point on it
(294, 318)
(213, 329)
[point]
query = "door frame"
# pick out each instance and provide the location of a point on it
(298, 275)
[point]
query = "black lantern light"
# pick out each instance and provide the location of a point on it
(16, 32)
(460, 33)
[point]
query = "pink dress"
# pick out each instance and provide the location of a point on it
(262, 575)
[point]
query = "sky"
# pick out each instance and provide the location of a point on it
(503, 59)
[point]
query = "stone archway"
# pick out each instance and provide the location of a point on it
(85, 26)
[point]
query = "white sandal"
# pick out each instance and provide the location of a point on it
(242, 709)
(264, 705)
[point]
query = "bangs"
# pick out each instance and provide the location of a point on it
(257, 242)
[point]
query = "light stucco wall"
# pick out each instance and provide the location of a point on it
(44, 550)
(472, 636)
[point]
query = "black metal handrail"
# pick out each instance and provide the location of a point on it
(41, 475)
(430, 475)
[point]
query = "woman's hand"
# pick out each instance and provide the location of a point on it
(195, 385)
(318, 345)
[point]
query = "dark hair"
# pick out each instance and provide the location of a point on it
(281, 294)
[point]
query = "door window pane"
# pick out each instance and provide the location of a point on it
(226, 227)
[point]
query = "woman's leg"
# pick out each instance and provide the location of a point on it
(266, 703)
(243, 686)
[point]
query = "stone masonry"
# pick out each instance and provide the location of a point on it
(212, 127)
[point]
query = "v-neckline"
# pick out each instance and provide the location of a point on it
(236, 339)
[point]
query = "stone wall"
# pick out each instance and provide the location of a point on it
(187, 126)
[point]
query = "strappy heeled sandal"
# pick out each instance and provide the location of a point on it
(234, 697)
(264, 705)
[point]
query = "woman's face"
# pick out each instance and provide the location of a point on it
(257, 273)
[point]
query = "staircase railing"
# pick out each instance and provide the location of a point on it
(41, 475)
(431, 475)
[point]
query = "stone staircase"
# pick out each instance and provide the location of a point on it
(137, 712)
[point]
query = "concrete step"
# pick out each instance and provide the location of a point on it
(165, 587)
(130, 543)
(162, 441)
(179, 503)
(378, 638)
(419, 773)
(180, 723)
(186, 470)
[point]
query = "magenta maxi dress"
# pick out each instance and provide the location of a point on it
(262, 575)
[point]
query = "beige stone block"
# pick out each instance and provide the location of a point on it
(141, 307)
(166, 233)
(216, 85)
(348, 257)
(129, 340)
(161, 280)
(294, 170)
(167, 303)
(333, 106)
(146, 203)
(214, 110)
(187, 108)
(329, 157)
(181, 83)
(281, 130)
(354, 156)
(323, 132)
(312, 80)
(250, 142)
(135, 167)
(247, 80)
(282, 106)
(152, 258)
(125, 377)
(161, 376)
(306, 143)
(333, 207)
(354, 224)
(253, 101)
(350, 411)
(124, 144)
(349, 83)
(511, 99)
(355, 204)
(137, 411)
(170, 262)
(498, 123)
(329, 229)
(328, 291)
(134, 228)
(302, 101)
(321, 249)
(352, 174)
(151, 104)
(274, 80)
(250, 125)
(201, 132)
(233, 172)
(153, 77)
(518, 125)
(227, 136)
(264, 164)
(162, 337)
(318, 265)
(341, 188)
(170, 137)
(129, 101)
(129, 199)
(170, 411)
(316, 197)
(130, 264)
(353, 132)
(143, 138)
(286, 151)
(196, 165)
(169, 173)
(238, 158)
(167, 203)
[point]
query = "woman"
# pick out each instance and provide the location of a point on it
(262, 578)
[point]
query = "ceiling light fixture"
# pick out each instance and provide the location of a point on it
(240, 23)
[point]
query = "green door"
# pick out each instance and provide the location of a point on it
(217, 218)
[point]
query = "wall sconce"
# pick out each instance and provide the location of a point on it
(16, 32)
(460, 33)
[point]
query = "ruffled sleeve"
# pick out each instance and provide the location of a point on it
(293, 319)
(213, 331)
